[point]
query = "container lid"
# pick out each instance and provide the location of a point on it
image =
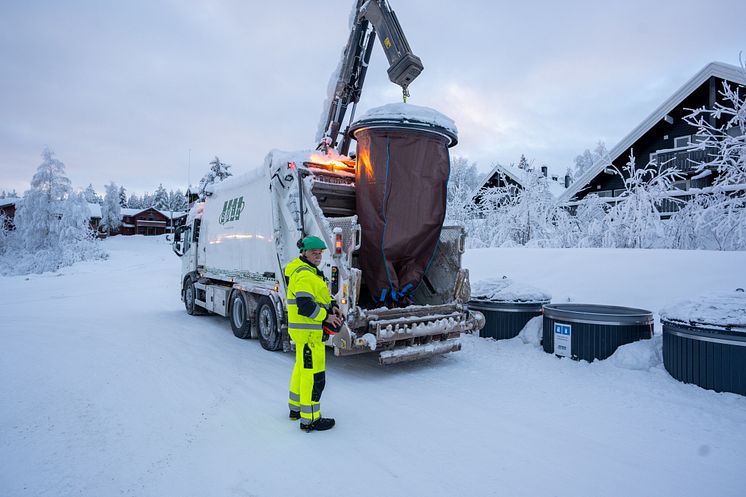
(725, 310)
(407, 116)
(504, 289)
(598, 313)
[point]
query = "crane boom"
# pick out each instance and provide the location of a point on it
(371, 17)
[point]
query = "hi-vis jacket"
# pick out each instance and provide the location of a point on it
(306, 282)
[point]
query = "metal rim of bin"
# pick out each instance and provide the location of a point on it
(704, 332)
(403, 123)
(505, 306)
(598, 314)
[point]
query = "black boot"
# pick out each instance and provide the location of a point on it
(294, 415)
(319, 424)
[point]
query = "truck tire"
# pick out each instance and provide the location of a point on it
(190, 293)
(239, 315)
(266, 320)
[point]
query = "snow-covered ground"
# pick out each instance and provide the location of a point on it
(108, 388)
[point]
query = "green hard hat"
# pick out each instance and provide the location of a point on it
(312, 242)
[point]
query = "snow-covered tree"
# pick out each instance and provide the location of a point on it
(177, 201)
(160, 198)
(147, 200)
(634, 222)
(134, 202)
(588, 158)
(111, 211)
(8, 194)
(523, 216)
(91, 196)
(37, 217)
(716, 217)
(122, 197)
(217, 173)
(462, 182)
(52, 224)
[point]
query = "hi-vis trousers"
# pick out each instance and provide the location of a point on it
(309, 377)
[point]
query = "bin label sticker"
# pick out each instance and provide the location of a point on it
(563, 339)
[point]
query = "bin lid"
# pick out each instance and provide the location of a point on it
(598, 313)
(506, 290)
(725, 310)
(407, 116)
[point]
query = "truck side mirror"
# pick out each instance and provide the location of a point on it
(178, 245)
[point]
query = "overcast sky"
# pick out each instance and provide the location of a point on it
(123, 90)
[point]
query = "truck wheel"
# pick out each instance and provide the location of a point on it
(239, 316)
(190, 293)
(269, 332)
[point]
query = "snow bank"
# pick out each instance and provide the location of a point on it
(641, 355)
(725, 309)
(532, 332)
(409, 113)
(507, 290)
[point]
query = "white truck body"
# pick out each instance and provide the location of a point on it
(235, 245)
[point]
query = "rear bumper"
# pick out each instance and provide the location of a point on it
(411, 333)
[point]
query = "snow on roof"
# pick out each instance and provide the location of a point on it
(8, 201)
(556, 188)
(726, 310)
(410, 113)
(717, 69)
(507, 290)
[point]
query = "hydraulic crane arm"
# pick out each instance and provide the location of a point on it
(371, 16)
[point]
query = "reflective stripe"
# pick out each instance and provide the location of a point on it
(305, 421)
(293, 407)
(303, 268)
(306, 409)
(303, 294)
(291, 301)
(294, 396)
(304, 326)
(315, 312)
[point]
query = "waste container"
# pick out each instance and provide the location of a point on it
(704, 341)
(592, 331)
(507, 306)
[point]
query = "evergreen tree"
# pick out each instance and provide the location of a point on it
(217, 173)
(134, 202)
(122, 197)
(160, 199)
(91, 196)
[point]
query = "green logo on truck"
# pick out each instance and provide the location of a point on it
(231, 210)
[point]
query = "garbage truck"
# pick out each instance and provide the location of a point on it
(392, 266)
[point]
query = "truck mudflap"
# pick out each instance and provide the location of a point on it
(407, 334)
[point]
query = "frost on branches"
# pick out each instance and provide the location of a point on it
(635, 222)
(530, 216)
(111, 210)
(52, 225)
(716, 217)
(217, 173)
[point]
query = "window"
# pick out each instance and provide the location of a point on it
(604, 193)
(653, 158)
(618, 193)
(681, 141)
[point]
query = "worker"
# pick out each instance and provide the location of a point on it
(310, 311)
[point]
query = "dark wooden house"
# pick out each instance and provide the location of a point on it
(149, 221)
(8, 211)
(664, 140)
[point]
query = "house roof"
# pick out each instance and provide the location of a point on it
(510, 172)
(717, 69)
(555, 187)
(8, 201)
